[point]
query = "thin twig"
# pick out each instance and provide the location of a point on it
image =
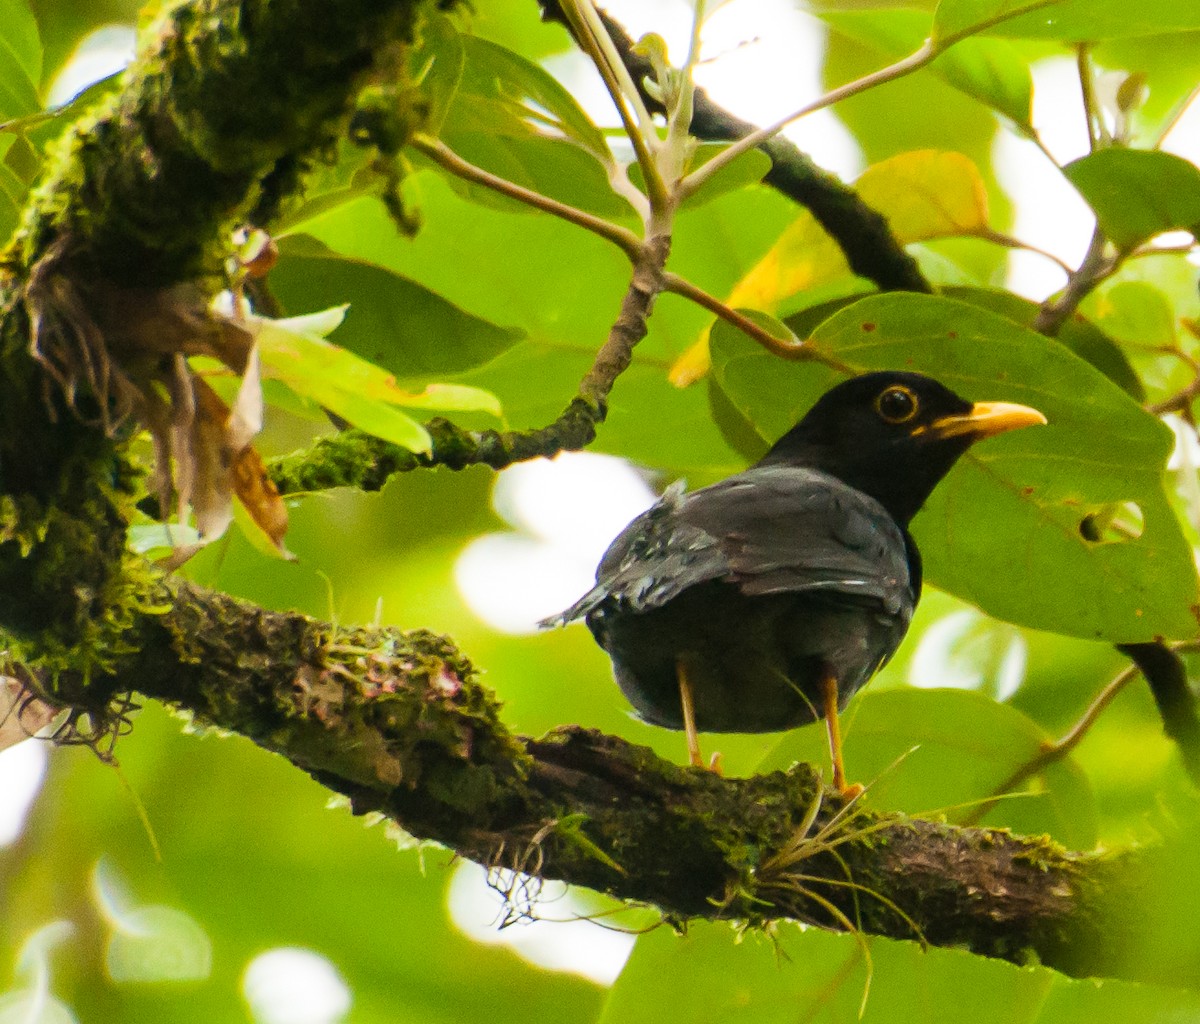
(1094, 269)
(592, 36)
(899, 69)
(1009, 242)
(1181, 401)
(1098, 136)
(444, 156)
(929, 51)
(1056, 751)
(1177, 116)
(795, 350)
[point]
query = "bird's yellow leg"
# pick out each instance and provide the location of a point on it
(829, 700)
(688, 704)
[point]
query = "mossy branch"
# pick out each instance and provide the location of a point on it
(399, 723)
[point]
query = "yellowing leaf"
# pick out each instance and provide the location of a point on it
(260, 497)
(224, 464)
(927, 194)
(804, 257)
(294, 352)
(451, 397)
(924, 194)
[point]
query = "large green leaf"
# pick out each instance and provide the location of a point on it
(942, 751)
(1138, 193)
(512, 118)
(1004, 529)
(523, 96)
(1079, 335)
(1067, 20)
(714, 974)
(392, 321)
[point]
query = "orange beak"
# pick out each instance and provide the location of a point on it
(984, 420)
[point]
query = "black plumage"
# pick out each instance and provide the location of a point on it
(771, 597)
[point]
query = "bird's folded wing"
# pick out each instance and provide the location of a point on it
(771, 529)
(789, 529)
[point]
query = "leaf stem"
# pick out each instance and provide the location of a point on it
(900, 68)
(593, 38)
(1009, 242)
(1177, 116)
(794, 350)
(1098, 137)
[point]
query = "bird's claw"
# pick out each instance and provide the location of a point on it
(851, 792)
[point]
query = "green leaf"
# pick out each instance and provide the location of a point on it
(1138, 193)
(966, 745)
(990, 70)
(1134, 312)
(553, 167)
(718, 973)
(295, 352)
(20, 60)
(1066, 20)
(438, 65)
(453, 398)
(1019, 501)
(392, 322)
(512, 118)
(1079, 335)
(504, 81)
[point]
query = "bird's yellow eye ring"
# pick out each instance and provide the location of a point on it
(897, 404)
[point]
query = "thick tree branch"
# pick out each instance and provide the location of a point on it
(399, 724)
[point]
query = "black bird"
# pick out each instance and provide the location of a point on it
(767, 600)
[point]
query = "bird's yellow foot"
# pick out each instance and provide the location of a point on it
(852, 791)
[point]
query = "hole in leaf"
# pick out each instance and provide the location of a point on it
(1113, 524)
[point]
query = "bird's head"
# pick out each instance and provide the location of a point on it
(894, 435)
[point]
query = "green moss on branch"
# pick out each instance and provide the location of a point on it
(224, 105)
(399, 723)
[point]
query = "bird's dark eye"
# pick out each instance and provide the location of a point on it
(896, 404)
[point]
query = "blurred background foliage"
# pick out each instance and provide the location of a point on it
(209, 852)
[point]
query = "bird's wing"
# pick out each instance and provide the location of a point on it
(787, 529)
(769, 530)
